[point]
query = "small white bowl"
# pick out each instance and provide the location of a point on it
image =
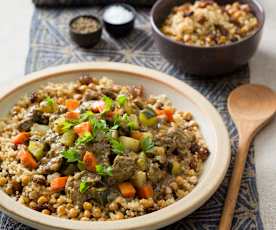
(183, 97)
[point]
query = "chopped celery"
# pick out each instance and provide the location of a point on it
(68, 138)
(39, 130)
(59, 125)
(37, 149)
(130, 143)
(148, 117)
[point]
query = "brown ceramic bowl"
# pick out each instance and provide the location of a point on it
(89, 39)
(205, 60)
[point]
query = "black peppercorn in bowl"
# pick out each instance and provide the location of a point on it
(119, 19)
(85, 30)
(205, 60)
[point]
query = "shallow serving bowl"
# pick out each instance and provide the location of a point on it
(215, 60)
(183, 97)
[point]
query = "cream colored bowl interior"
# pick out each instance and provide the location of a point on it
(183, 97)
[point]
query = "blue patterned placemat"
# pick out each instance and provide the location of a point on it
(50, 45)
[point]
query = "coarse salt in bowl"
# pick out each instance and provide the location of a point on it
(119, 19)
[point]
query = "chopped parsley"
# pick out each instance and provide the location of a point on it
(69, 124)
(108, 102)
(103, 170)
(71, 155)
(50, 101)
(117, 147)
(121, 100)
(86, 116)
(98, 125)
(147, 144)
(84, 185)
(84, 139)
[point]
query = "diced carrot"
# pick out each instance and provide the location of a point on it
(82, 128)
(136, 134)
(110, 114)
(127, 190)
(58, 184)
(98, 106)
(90, 161)
(72, 104)
(20, 138)
(145, 191)
(168, 111)
(72, 115)
(27, 159)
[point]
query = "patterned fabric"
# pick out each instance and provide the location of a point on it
(50, 3)
(50, 45)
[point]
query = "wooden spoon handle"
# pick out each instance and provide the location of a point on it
(234, 185)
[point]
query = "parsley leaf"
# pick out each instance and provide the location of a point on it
(98, 125)
(108, 102)
(117, 147)
(103, 171)
(121, 100)
(71, 155)
(84, 139)
(84, 185)
(147, 144)
(86, 116)
(50, 101)
(67, 125)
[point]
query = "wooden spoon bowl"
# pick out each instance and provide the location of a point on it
(251, 108)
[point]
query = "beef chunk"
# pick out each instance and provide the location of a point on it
(123, 168)
(50, 165)
(40, 117)
(72, 188)
(26, 124)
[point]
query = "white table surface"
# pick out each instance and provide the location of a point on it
(15, 16)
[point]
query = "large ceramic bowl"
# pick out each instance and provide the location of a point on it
(183, 97)
(214, 60)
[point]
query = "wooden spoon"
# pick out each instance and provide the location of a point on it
(251, 107)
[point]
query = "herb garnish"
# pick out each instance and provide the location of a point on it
(117, 147)
(103, 170)
(84, 139)
(147, 144)
(108, 102)
(71, 155)
(86, 116)
(121, 100)
(69, 124)
(50, 101)
(84, 185)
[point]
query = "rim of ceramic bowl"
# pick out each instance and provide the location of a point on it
(260, 19)
(197, 197)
